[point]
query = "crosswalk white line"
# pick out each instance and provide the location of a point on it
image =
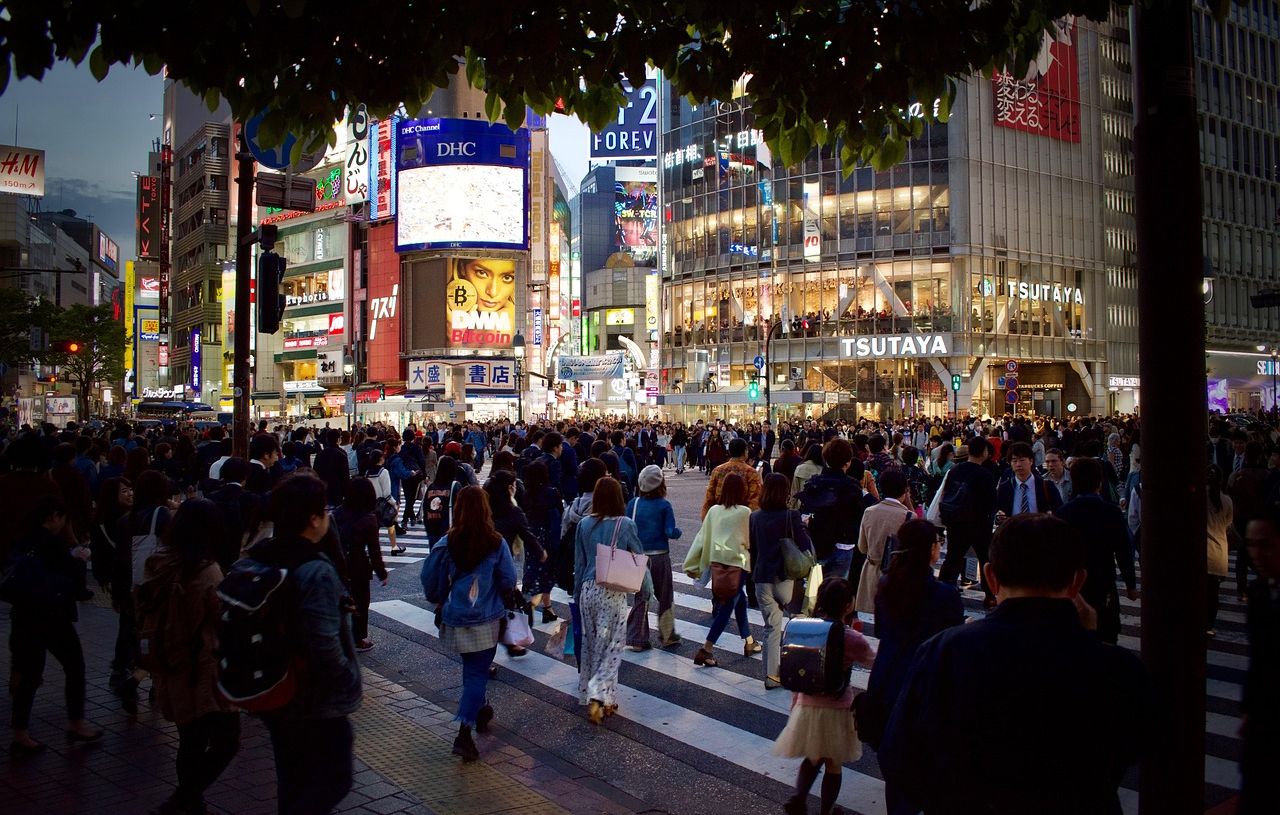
(860, 792)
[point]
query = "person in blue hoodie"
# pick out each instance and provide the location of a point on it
(471, 574)
(656, 525)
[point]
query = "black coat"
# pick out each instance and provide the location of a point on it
(332, 467)
(1048, 496)
(1105, 534)
(1024, 711)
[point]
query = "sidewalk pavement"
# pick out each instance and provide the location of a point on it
(403, 759)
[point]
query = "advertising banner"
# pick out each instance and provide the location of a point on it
(356, 187)
(108, 253)
(382, 343)
(148, 226)
(537, 327)
(480, 306)
(21, 170)
(196, 355)
(60, 405)
(329, 366)
(634, 133)
(812, 232)
(651, 313)
(635, 219)
(382, 171)
(461, 183)
(149, 328)
(602, 366)
(483, 375)
(1046, 101)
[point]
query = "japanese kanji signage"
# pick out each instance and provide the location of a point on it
(484, 375)
(1046, 101)
(356, 184)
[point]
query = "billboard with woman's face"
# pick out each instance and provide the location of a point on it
(480, 305)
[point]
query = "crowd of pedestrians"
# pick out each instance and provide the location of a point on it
(881, 517)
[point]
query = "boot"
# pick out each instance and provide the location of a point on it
(464, 746)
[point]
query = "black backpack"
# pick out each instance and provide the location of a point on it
(813, 657)
(956, 507)
(563, 557)
(258, 665)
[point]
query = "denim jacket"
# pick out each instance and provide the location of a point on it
(655, 524)
(322, 630)
(592, 531)
(475, 597)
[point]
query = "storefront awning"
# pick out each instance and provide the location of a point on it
(374, 394)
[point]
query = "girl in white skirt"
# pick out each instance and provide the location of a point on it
(820, 729)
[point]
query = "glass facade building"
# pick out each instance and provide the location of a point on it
(981, 254)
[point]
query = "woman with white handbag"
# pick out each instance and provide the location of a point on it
(609, 564)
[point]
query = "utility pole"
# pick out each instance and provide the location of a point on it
(244, 276)
(1170, 280)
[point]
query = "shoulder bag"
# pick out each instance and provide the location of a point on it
(143, 547)
(619, 570)
(796, 563)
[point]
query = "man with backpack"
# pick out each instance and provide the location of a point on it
(287, 651)
(834, 501)
(968, 507)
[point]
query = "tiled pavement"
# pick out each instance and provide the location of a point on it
(403, 765)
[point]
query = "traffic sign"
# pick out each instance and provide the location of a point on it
(759, 362)
(1011, 383)
(1011, 366)
(1011, 397)
(277, 158)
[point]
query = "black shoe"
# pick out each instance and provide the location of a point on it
(464, 746)
(514, 651)
(483, 718)
(127, 691)
(18, 750)
(548, 616)
(796, 805)
(399, 529)
(493, 670)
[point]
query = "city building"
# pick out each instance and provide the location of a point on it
(977, 262)
(1238, 92)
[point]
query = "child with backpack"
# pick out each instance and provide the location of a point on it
(820, 728)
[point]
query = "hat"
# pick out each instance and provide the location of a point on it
(650, 478)
(962, 451)
(453, 449)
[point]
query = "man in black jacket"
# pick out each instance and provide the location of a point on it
(1025, 490)
(968, 506)
(264, 452)
(332, 466)
(1024, 711)
(412, 454)
(835, 501)
(1105, 535)
(1261, 706)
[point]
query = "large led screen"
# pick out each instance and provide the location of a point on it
(461, 205)
(635, 220)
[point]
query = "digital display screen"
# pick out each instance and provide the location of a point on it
(461, 205)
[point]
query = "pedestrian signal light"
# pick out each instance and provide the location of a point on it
(955, 382)
(753, 389)
(382, 393)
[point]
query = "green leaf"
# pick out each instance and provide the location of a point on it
(514, 116)
(98, 65)
(212, 99)
(492, 106)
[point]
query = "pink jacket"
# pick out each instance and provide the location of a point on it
(856, 650)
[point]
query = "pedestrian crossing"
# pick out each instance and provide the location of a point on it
(727, 713)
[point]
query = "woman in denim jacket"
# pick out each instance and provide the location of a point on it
(478, 571)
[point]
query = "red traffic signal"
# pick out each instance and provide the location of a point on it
(68, 346)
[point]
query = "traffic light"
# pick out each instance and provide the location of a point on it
(270, 292)
(753, 388)
(51, 379)
(68, 346)
(955, 382)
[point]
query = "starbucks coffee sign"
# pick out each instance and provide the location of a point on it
(888, 346)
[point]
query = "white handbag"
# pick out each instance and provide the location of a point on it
(619, 570)
(143, 547)
(517, 632)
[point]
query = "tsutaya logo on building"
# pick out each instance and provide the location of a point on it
(1044, 291)
(897, 345)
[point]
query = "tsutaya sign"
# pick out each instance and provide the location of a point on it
(896, 345)
(1050, 292)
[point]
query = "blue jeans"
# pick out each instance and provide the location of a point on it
(721, 612)
(679, 451)
(475, 675)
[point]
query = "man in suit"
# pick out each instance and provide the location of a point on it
(973, 730)
(264, 452)
(1025, 490)
(1105, 534)
(1261, 705)
(331, 466)
(1219, 448)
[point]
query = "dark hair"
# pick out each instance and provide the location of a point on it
(1086, 475)
(446, 471)
(611, 463)
(263, 444)
(912, 563)
(978, 446)
(234, 471)
(737, 448)
(44, 508)
(876, 443)
(1214, 479)
(814, 453)
(472, 538)
(599, 447)
(1036, 551)
(535, 478)
(788, 445)
(910, 456)
(299, 497)
(503, 460)
(837, 453)
(109, 509)
(138, 460)
(893, 483)
(606, 499)
(1020, 449)
(551, 441)
(1054, 451)
(195, 535)
(590, 472)
(733, 490)
(151, 489)
(617, 437)
(834, 596)
(360, 496)
(497, 488)
(776, 492)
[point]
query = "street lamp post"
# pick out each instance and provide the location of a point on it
(349, 373)
(517, 344)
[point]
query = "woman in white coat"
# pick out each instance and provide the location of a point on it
(880, 523)
(1218, 527)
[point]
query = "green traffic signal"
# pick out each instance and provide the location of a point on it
(955, 382)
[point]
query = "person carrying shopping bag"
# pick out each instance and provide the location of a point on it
(721, 549)
(771, 527)
(603, 609)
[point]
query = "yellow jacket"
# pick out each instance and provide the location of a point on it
(723, 538)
